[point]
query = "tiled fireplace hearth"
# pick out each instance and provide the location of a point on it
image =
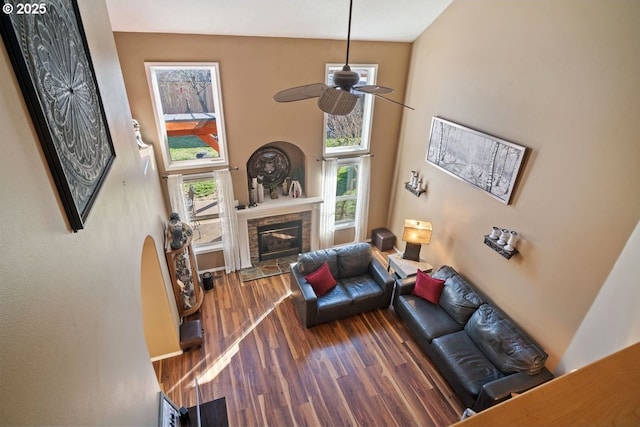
(272, 212)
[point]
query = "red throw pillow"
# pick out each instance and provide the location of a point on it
(321, 280)
(427, 287)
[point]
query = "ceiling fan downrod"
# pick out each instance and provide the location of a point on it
(346, 61)
(346, 78)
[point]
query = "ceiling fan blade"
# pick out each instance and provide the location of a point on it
(391, 100)
(299, 93)
(374, 89)
(337, 102)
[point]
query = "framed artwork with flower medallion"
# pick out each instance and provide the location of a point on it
(51, 61)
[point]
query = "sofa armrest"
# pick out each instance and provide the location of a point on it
(304, 297)
(381, 276)
(406, 285)
(501, 389)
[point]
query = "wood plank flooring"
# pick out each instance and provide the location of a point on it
(363, 370)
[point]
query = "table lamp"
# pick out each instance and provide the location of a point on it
(415, 233)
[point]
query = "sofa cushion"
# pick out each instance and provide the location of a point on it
(361, 288)
(321, 280)
(310, 261)
(354, 259)
(462, 363)
(503, 342)
(424, 319)
(458, 299)
(334, 300)
(427, 287)
(444, 272)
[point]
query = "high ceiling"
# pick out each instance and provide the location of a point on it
(377, 20)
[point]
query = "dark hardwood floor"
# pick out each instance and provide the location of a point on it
(363, 370)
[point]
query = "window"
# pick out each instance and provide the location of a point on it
(351, 133)
(188, 104)
(201, 196)
(346, 192)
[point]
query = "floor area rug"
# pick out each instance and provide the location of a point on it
(271, 267)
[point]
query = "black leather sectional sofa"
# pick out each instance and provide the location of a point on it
(483, 355)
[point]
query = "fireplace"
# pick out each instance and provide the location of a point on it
(279, 240)
(270, 213)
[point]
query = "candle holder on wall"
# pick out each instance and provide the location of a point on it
(414, 185)
(502, 241)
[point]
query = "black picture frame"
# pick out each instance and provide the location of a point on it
(50, 56)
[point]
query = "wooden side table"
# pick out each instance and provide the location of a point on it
(404, 268)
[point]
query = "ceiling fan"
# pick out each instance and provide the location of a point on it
(341, 98)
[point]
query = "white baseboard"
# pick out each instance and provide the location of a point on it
(166, 356)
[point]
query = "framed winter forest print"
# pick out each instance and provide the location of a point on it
(484, 161)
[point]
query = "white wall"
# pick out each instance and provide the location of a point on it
(72, 348)
(613, 322)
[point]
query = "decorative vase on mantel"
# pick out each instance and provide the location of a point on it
(295, 190)
(285, 186)
(260, 192)
(273, 191)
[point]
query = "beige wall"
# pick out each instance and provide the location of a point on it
(160, 316)
(562, 79)
(252, 70)
(72, 348)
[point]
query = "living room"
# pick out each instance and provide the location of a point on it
(556, 77)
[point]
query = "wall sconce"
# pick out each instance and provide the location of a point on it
(414, 185)
(502, 241)
(415, 233)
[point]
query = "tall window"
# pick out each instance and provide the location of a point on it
(351, 133)
(188, 104)
(346, 192)
(201, 196)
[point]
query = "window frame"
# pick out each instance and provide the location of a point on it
(205, 247)
(181, 165)
(367, 119)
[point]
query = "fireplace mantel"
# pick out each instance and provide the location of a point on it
(281, 206)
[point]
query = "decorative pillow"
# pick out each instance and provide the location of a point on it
(427, 287)
(321, 280)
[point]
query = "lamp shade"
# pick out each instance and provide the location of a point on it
(418, 232)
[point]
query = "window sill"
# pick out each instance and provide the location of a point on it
(187, 166)
(346, 152)
(344, 225)
(205, 249)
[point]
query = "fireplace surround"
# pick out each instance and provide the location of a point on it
(277, 211)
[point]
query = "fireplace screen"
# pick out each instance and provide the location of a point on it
(279, 240)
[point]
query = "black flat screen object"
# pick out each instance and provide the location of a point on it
(207, 414)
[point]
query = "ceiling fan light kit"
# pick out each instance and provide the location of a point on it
(341, 98)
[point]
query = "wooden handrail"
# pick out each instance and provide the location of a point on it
(605, 392)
